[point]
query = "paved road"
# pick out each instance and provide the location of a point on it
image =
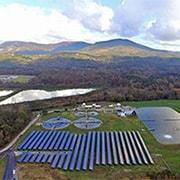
(20, 134)
(10, 170)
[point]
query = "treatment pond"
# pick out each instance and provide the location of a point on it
(162, 122)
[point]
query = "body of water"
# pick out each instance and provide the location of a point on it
(5, 92)
(162, 122)
(32, 95)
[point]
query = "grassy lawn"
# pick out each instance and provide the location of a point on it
(165, 156)
(156, 103)
(22, 79)
(3, 161)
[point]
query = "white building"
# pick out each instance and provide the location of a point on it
(121, 114)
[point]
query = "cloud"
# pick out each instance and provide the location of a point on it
(155, 23)
(26, 23)
(167, 23)
(92, 15)
(158, 19)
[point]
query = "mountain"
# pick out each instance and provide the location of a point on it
(103, 50)
(30, 48)
(118, 42)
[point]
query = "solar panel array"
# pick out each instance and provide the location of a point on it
(66, 150)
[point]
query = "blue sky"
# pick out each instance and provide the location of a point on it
(155, 23)
(56, 3)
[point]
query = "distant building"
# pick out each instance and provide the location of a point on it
(121, 114)
(96, 107)
(130, 112)
(111, 106)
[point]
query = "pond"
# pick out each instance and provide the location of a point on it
(162, 122)
(33, 95)
(5, 92)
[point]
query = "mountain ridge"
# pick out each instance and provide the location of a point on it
(99, 44)
(81, 50)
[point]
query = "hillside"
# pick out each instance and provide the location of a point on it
(30, 48)
(105, 50)
(124, 70)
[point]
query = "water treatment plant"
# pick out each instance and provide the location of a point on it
(87, 138)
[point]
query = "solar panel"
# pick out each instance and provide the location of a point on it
(61, 160)
(64, 141)
(125, 153)
(36, 140)
(42, 144)
(30, 140)
(26, 159)
(55, 161)
(44, 159)
(86, 154)
(73, 142)
(81, 152)
(133, 145)
(54, 140)
(145, 148)
(43, 154)
(131, 155)
(49, 141)
(98, 148)
(75, 153)
(67, 160)
(22, 157)
(109, 154)
(92, 151)
(67, 145)
(103, 153)
(59, 140)
(38, 159)
(85, 150)
(119, 148)
(51, 158)
(141, 152)
(26, 140)
(40, 140)
(114, 152)
(33, 158)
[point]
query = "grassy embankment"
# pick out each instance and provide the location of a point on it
(3, 161)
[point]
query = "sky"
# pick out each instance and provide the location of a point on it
(155, 23)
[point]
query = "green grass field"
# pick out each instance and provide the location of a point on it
(175, 104)
(22, 79)
(3, 161)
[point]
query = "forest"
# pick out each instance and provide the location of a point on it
(12, 120)
(125, 78)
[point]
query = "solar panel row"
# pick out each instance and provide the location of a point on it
(83, 151)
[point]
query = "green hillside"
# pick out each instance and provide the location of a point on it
(106, 50)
